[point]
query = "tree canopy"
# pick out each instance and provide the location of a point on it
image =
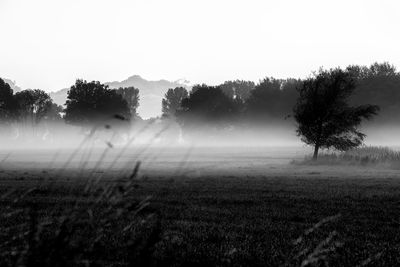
(237, 89)
(207, 105)
(272, 99)
(33, 105)
(235, 104)
(54, 113)
(8, 104)
(172, 101)
(93, 103)
(323, 115)
(131, 96)
(378, 84)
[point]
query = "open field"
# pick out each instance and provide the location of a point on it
(207, 207)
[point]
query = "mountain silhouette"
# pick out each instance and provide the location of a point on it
(151, 93)
(12, 84)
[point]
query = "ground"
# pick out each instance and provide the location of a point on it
(222, 207)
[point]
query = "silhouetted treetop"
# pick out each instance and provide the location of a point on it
(272, 98)
(237, 89)
(378, 84)
(208, 105)
(33, 105)
(8, 104)
(266, 97)
(93, 103)
(131, 96)
(172, 101)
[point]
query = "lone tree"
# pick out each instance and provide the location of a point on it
(93, 103)
(323, 114)
(172, 101)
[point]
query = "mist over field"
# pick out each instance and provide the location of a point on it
(160, 133)
(163, 150)
(199, 133)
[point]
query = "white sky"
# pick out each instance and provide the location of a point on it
(47, 44)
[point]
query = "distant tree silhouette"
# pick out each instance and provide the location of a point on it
(323, 114)
(238, 89)
(207, 106)
(8, 104)
(53, 113)
(92, 103)
(172, 101)
(265, 100)
(33, 105)
(378, 84)
(382, 69)
(131, 96)
(272, 99)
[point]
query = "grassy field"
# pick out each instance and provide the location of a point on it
(244, 209)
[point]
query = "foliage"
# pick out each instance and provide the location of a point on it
(54, 112)
(172, 101)
(272, 99)
(378, 84)
(25, 110)
(92, 103)
(33, 105)
(268, 103)
(323, 115)
(237, 89)
(207, 105)
(131, 96)
(8, 104)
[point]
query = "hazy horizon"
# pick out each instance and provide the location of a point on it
(50, 44)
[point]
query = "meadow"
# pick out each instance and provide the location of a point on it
(198, 207)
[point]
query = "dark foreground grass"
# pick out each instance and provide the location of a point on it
(209, 221)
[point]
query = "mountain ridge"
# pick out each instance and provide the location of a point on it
(12, 84)
(151, 93)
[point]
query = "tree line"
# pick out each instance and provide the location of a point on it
(272, 100)
(343, 97)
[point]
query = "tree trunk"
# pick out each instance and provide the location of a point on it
(316, 148)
